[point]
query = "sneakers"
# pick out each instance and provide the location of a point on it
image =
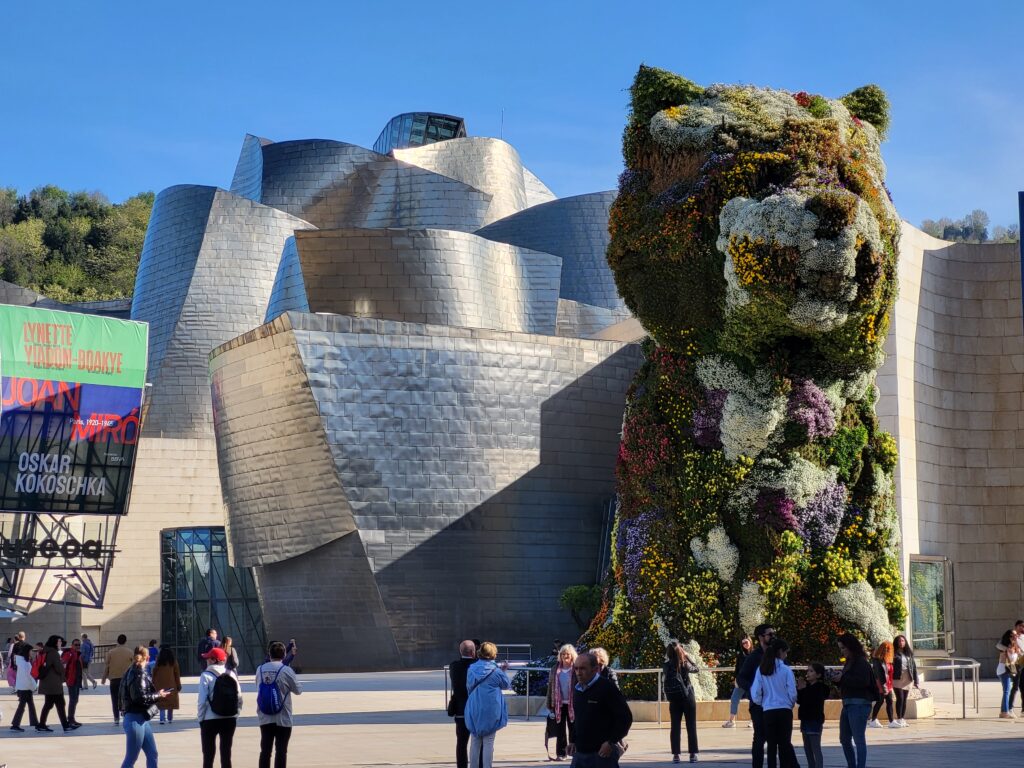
(1006, 715)
(693, 758)
(17, 728)
(874, 724)
(729, 724)
(44, 729)
(72, 727)
(675, 758)
(902, 722)
(895, 724)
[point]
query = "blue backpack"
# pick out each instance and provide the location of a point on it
(269, 700)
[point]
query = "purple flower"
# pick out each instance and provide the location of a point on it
(707, 419)
(632, 538)
(809, 408)
(774, 510)
(821, 518)
(633, 182)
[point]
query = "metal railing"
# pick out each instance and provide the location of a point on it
(952, 665)
(515, 654)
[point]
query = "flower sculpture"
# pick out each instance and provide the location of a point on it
(754, 238)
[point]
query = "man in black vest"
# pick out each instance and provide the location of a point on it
(765, 634)
(602, 717)
(457, 705)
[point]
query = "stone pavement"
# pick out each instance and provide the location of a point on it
(398, 719)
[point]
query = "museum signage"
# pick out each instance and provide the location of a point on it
(70, 410)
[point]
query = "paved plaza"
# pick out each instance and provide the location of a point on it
(398, 718)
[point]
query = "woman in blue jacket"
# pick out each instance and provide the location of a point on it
(486, 713)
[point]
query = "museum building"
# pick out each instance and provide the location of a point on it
(387, 391)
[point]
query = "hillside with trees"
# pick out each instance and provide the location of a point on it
(72, 246)
(972, 228)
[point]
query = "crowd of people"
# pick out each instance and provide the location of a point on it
(145, 682)
(865, 684)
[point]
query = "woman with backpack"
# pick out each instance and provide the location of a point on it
(275, 682)
(486, 712)
(138, 701)
(220, 702)
(167, 674)
(681, 699)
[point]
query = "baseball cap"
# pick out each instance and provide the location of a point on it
(217, 654)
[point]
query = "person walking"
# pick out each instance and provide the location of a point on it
(764, 634)
(11, 670)
(486, 712)
(1006, 671)
(24, 685)
(882, 668)
(857, 688)
(88, 651)
(138, 698)
(602, 665)
(51, 685)
(738, 693)
(561, 680)
(603, 718)
(904, 675)
(774, 690)
(74, 676)
(119, 659)
(167, 676)
(220, 702)
(682, 701)
(811, 694)
(457, 703)
(275, 683)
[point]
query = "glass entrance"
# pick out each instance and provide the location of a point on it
(200, 590)
(931, 604)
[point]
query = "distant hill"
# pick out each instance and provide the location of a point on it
(72, 246)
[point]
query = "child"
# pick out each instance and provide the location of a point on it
(811, 697)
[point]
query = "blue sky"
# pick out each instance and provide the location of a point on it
(124, 97)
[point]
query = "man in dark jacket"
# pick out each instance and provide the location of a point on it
(602, 717)
(764, 634)
(457, 705)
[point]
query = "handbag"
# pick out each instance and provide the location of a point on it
(152, 711)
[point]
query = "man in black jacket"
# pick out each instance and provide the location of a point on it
(602, 717)
(457, 705)
(764, 634)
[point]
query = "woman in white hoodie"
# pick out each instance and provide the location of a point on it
(774, 690)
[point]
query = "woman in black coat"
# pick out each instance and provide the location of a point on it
(681, 699)
(858, 689)
(904, 675)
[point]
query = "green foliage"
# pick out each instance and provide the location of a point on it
(582, 601)
(656, 89)
(72, 246)
(869, 103)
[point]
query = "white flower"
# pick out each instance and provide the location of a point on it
(752, 606)
(864, 608)
(661, 629)
(718, 553)
(751, 411)
(704, 686)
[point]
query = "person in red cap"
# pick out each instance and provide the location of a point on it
(220, 702)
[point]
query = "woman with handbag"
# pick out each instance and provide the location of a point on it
(486, 712)
(904, 676)
(561, 681)
(139, 703)
(1006, 670)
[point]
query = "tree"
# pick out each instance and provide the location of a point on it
(582, 601)
(978, 222)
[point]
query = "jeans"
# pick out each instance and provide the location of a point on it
(25, 700)
(481, 750)
(757, 745)
(1006, 705)
(734, 701)
(167, 715)
(678, 707)
(73, 691)
(853, 723)
(52, 701)
(138, 738)
(274, 738)
(209, 730)
(461, 742)
(778, 729)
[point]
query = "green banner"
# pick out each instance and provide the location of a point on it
(65, 346)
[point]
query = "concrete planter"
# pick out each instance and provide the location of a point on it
(709, 711)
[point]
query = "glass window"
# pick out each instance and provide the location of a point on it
(931, 604)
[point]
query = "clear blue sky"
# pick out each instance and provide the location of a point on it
(124, 97)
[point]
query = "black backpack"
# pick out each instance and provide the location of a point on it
(224, 699)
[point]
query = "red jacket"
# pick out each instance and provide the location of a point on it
(72, 667)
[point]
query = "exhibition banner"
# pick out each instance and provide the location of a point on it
(70, 410)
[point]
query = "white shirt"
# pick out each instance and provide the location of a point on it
(775, 691)
(24, 681)
(287, 684)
